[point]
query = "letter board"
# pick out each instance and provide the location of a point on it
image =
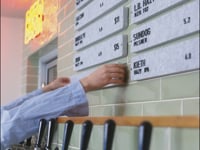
(180, 57)
(112, 23)
(94, 10)
(142, 9)
(113, 48)
(175, 24)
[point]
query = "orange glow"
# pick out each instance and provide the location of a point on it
(41, 21)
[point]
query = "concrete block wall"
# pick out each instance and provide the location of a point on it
(176, 94)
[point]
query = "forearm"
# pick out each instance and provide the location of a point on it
(22, 99)
(23, 122)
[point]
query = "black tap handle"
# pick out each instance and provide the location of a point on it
(41, 130)
(145, 130)
(109, 130)
(67, 134)
(28, 141)
(51, 127)
(85, 135)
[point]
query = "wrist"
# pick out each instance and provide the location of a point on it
(85, 84)
(46, 88)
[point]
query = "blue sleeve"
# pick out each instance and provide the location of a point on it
(22, 121)
(21, 100)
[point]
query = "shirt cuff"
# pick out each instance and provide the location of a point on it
(80, 100)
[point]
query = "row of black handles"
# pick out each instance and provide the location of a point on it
(145, 130)
(50, 131)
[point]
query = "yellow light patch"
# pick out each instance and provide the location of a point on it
(34, 21)
(41, 22)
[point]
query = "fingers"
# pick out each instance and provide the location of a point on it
(106, 74)
(116, 73)
(116, 78)
(115, 68)
(117, 81)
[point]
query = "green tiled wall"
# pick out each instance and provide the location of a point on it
(176, 94)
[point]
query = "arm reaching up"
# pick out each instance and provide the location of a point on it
(57, 83)
(104, 75)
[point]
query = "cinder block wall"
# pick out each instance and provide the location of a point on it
(176, 94)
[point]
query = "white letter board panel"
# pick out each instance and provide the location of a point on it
(81, 3)
(113, 48)
(176, 58)
(95, 9)
(142, 9)
(175, 24)
(114, 22)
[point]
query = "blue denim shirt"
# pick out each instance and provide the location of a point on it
(20, 119)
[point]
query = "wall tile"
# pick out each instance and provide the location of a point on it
(128, 110)
(191, 107)
(32, 80)
(75, 138)
(30, 70)
(65, 49)
(162, 108)
(113, 95)
(160, 139)
(125, 138)
(63, 3)
(67, 22)
(66, 36)
(180, 86)
(60, 133)
(60, 15)
(141, 91)
(70, 7)
(66, 72)
(73, 148)
(101, 111)
(96, 139)
(184, 139)
(30, 88)
(94, 98)
(65, 62)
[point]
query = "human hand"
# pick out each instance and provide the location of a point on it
(106, 74)
(57, 83)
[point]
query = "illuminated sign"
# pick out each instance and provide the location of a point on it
(41, 21)
(34, 20)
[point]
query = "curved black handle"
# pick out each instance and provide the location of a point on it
(51, 127)
(85, 135)
(145, 130)
(41, 130)
(67, 134)
(28, 141)
(109, 130)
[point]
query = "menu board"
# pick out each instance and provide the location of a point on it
(108, 25)
(142, 9)
(175, 24)
(113, 48)
(176, 58)
(94, 10)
